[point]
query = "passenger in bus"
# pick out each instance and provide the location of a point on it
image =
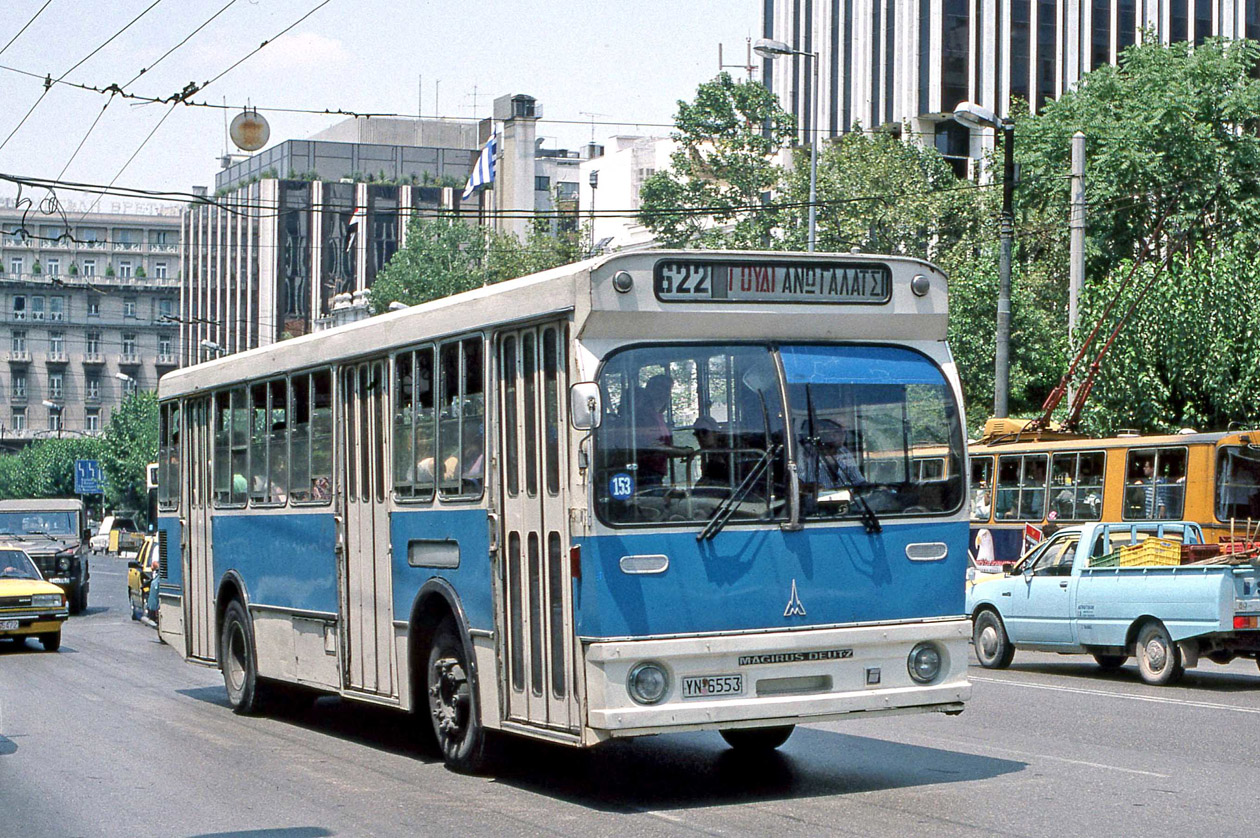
(1032, 497)
(715, 465)
(653, 437)
(1150, 491)
(827, 462)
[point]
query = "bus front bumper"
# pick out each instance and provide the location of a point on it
(786, 677)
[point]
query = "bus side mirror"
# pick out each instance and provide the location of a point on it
(585, 406)
(1008, 568)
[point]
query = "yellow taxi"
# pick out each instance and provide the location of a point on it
(28, 604)
(142, 572)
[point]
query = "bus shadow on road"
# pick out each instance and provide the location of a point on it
(669, 771)
(697, 769)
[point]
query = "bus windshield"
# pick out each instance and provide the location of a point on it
(876, 430)
(689, 430)
(684, 426)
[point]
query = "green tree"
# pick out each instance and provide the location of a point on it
(130, 444)
(445, 256)
(722, 169)
(45, 468)
(1190, 354)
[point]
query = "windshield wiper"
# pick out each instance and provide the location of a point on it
(726, 508)
(869, 520)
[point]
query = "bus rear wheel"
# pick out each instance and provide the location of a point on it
(752, 739)
(239, 661)
(453, 706)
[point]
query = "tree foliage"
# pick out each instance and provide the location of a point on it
(45, 468)
(724, 165)
(445, 256)
(129, 445)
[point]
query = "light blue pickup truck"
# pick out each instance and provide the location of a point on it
(1167, 616)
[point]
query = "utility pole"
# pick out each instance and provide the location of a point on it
(747, 67)
(1076, 270)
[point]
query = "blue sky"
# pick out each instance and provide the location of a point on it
(626, 61)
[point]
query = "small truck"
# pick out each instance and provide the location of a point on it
(1117, 591)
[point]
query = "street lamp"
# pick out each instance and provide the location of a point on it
(58, 408)
(772, 50)
(212, 347)
(975, 116)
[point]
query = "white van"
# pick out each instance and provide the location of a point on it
(100, 541)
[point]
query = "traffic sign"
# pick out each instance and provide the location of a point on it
(88, 479)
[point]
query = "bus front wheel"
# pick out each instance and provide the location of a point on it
(453, 703)
(239, 661)
(750, 739)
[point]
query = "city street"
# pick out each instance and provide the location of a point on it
(116, 736)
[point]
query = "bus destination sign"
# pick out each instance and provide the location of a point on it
(852, 283)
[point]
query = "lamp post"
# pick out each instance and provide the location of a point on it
(53, 406)
(770, 49)
(975, 116)
(213, 348)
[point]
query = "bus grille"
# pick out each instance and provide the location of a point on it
(162, 554)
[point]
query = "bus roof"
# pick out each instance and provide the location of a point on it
(625, 309)
(1063, 442)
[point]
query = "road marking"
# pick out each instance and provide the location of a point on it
(1206, 705)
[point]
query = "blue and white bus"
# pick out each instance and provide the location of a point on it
(654, 492)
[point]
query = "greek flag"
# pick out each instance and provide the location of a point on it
(484, 172)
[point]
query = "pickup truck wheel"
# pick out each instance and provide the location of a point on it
(1111, 662)
(1159, 659)
(993, 647)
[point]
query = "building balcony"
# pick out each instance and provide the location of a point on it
(56, 358)
(18, 356)
(127, 246)
(18, 397)
(93, 358)
(129, 359)
(164, 248)
(167, 360)
(93, 245)
(92, 398)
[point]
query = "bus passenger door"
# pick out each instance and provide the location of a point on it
(537, 618)
(366, 609)
(198, 551)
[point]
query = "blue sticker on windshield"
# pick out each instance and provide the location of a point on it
(621, 485)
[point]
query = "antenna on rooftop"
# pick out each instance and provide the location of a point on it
(749, 67)
(592, 116)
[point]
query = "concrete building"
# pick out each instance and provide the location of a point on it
(610, 179)
(297, 233)
(89, 302)
(912, 61)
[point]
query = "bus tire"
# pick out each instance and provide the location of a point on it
(993, 647)
(51, 641)
(1158, 657)
(1110, 663)
(754, 739)
(453, 706)
(239, 661)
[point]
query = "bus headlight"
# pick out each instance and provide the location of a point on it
(924, 663)
(648, 682)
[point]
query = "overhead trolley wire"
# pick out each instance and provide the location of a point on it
(25, 26)
(49, 82)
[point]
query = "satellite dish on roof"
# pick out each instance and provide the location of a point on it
(249, 130)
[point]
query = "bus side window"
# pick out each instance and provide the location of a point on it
(321, 436)
(300, 439)
(981, 488)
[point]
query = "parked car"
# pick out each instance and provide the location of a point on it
(112, 523)
(28, 604)
(1115, 591)
(142, 572)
